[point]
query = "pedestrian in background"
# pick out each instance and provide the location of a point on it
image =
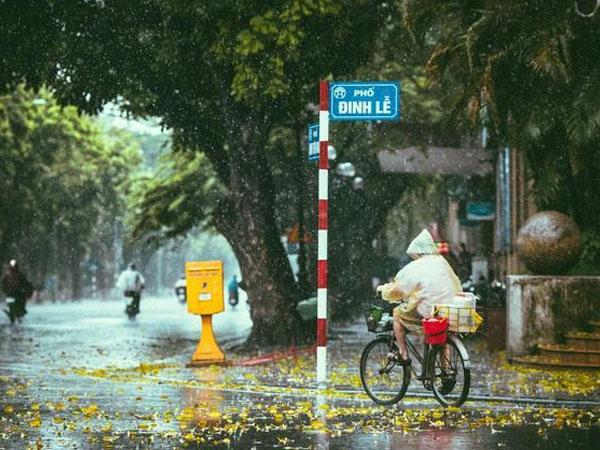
(232, 287)
(51, 287)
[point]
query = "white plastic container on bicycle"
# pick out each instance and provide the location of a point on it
(461, 313)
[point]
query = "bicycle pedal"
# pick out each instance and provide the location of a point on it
(395, 356)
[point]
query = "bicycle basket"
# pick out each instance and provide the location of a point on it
(378, 321)
(436, 330)
(461, 319)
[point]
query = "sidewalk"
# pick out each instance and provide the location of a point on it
(491, 373)
(493, 378)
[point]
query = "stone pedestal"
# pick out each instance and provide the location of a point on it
(542, 309)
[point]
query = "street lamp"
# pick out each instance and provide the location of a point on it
(38, 101)
(331, 153)
(345, 169)
(358, 183)
(586, 8)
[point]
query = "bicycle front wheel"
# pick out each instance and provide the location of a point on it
(449, 375)
(384, 380)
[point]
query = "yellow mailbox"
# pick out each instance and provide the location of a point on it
(204, 281)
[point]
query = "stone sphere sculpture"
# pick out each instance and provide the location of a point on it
(549, 243)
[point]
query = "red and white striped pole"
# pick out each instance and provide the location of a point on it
(322, 233)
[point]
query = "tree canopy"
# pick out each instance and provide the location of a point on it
(61, 185)
(236, 81)
(529, 72)
(222, 75)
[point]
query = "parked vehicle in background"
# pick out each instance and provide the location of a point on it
(181, 289)
(491, 295)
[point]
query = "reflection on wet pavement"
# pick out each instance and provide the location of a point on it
(81, 375)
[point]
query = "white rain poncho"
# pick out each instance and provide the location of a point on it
(130, 280)
(427, 281)
(422, 245)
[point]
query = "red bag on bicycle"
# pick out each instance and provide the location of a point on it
(436, 330)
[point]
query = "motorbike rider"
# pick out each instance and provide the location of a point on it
(16, 285)
(424, 282)
(131, 282)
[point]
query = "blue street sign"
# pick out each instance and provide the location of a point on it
(313, 142)
(481, 210)
(364, 100)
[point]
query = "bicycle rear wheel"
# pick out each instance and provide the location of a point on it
(449, 375)
(384, 380)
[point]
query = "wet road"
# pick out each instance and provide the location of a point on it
(97, 333)
(81, 375)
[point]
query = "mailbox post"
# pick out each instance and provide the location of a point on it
(204, 280)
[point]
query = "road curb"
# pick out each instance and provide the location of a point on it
(292, 352)
(558, 402)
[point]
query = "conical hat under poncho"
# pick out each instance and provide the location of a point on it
(422, 245)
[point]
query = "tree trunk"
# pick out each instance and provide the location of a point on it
(268, 281)
(248, 222)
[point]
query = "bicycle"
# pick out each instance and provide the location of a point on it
(445, 369)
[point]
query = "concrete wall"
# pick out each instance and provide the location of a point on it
(541, 309)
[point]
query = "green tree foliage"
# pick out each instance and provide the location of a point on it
(530, 72)
(61, 185)
(229, 78)
(181, 195)
(222, 75)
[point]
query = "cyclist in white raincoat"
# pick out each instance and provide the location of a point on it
(424, 282)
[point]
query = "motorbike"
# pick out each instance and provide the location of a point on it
(131, 312)
(497, 297)
(491, 294)
(180, 293)
(14, 311)
(181, 290)
(132, 309)
(233, 299)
